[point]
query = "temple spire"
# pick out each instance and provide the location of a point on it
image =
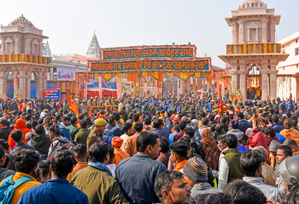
(94, 47)
(46, 50)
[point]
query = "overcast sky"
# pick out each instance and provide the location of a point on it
(71, 24)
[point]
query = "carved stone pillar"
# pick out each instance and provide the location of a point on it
(2, 45)
(27, 45)
(22, 82)
(234, 32)
(28, 81)
(17, 44)
(234, 72)
(182, 86)
(199, 82)
(264, 30)
(188, 85)
(3, 81)
(243, 85)
(39, 84)
(16, 85)
(273, 84)
(45, 77)
(119, 83)
(194, 84)
(241, 31)
(40, 47)
(272, 31)
(264, 87)
(178, 86)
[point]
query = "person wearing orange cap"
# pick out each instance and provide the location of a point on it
(176, 120)
(119, 154)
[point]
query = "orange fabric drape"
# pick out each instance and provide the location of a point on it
(87, 77)
(132, 76)
(160, 76)
(75, 89)
(210, 76)
(129, 77)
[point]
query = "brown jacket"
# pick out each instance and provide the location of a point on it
(131, 146)
(93, 137)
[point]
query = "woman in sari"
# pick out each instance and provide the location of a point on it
(211, 149)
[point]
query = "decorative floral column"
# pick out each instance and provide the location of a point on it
(119, 84)
(100, 88)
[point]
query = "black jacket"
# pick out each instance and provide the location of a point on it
(4, 133)
(4, 173)
(13, 107)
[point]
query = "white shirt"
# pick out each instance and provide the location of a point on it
(125, 138)
(223, 173)
(112, 168)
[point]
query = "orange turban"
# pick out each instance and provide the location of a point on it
(117, 141)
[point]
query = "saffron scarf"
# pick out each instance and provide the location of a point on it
(211, 149)
(180, 165)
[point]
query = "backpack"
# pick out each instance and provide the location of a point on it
(63, 143)
(7, 189)
(108, 135)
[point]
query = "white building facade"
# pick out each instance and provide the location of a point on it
(287, 85)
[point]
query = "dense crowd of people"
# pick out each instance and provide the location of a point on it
(166, 150)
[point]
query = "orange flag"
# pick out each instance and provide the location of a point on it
(4, 97)
(90, 110)
(72, 105)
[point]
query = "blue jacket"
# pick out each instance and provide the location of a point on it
(117, 132)
(244, 125)
(179, 108)
(171, 137)
(168, 108)
(66, 132)
(278, 127)
(165, 131)
(58, 191)
(136, 175)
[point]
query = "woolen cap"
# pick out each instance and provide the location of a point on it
(196, 170)
(274, 146)
(195, 122)
(100, 122)
(235, 124)
(249, 132)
